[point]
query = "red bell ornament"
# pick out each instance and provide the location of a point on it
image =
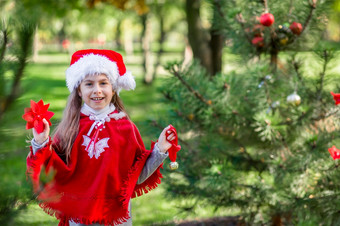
(267, 19)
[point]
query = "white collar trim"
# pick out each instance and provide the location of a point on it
(102, 115)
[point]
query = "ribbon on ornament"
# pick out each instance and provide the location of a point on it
(35, 115)
(173, 149)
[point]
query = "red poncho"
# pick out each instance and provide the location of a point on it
(98, 183)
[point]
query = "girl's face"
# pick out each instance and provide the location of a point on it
(96, 91)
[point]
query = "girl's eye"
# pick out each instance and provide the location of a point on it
(104, 83)
(88, 84)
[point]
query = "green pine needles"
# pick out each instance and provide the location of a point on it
(246, 147)
(256, 139)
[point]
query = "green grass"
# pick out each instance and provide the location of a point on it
(45, 80)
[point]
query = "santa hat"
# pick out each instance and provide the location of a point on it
(98, 61)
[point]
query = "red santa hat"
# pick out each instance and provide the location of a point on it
(98, 61)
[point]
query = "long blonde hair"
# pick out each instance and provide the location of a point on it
(67, 130)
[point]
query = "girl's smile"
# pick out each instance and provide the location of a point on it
(96, 91)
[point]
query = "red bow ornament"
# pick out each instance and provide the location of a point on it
(35, 115)
(336, 97)
(173, 149)
(335, 153)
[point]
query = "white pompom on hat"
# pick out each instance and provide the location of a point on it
(98, 61)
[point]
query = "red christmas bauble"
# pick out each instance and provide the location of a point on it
(267, 19)
(296, 28)
(258, 41)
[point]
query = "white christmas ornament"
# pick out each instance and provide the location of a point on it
(173, 165)
(294, 99)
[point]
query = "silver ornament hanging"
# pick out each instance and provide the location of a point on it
(173, 165)
(294, 99)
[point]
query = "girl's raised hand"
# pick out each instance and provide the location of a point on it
(43, 136)
(162, 143)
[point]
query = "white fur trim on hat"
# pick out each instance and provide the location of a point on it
(126, 81)
(93, 64)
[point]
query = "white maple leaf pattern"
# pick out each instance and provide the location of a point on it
(95, 150)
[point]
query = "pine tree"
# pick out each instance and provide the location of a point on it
(256, 138)
(13, 59)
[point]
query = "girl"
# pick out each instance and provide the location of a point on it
(97, 155)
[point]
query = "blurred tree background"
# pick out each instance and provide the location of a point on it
(251, 103)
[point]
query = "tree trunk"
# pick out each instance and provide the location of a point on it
(160, 42)
(216, 44)
(274, 58)
(128, 39)
(198, 36)
(61, 36)
(276, 220)
(208, 49)
(118, 34)
(147, 56)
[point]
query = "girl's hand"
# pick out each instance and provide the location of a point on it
(41, 137)
(162, 143)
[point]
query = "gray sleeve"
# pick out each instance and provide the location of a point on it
(152, 163)
(36, 146)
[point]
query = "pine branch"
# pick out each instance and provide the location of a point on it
(241, 21)
(290, 8)
(194, 92)
(265, 3)
(323, 116)
(244, 149)
(216, 113)
(249, 158)
(296, 66)
(326, 57)
(333, 195)
(218, 5)
(167, 95)
(312, 5)
(269, 101)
